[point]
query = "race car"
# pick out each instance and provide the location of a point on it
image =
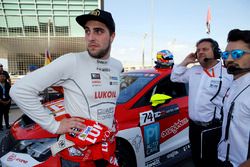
(152, 118)
(153, 130)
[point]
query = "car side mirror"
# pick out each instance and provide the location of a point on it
(158, 99)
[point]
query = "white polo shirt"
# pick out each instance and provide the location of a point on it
(202, 87)
(239, 130)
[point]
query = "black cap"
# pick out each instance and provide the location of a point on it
(99, 15)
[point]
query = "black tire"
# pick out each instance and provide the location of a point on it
(7, 143)
(125, 154)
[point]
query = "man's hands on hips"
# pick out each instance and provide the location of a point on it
(67, 125)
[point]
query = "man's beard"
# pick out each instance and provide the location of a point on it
(102, 53)
(235, 69)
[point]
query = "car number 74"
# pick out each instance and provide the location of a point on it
(146, 117)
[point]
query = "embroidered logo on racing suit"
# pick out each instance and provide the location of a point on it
(105, 94)
(96, 79)
(95, 141)
(95, 76)
(103, 69)
(91, 133)
(105, 113)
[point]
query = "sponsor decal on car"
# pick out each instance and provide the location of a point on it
(166, 111)
(146, 117)
(169, 158)
(154, 162)
(151, 138)
(18, 159)
(136, 142)
(172, 154)
(57, 107)
(172, 130)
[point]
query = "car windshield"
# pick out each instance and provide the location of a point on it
(132, 83)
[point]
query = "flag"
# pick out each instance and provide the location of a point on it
(208, 22)
(47, 57)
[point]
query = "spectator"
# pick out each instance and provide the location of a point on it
(208, 83)
(234, 147)
(5, 101)
(7, 76)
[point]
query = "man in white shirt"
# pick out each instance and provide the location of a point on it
(208, 83)
(90, 81)
(234, 147)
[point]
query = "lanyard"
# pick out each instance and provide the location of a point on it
(229, 118)
(230, 113)
(208, 73)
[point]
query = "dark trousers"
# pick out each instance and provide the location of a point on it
(4, 112)
(224, 163)
(209, 158)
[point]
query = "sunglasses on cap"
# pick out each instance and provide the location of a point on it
(236, 54)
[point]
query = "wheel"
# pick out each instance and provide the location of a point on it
(7, 143)
(125, 154)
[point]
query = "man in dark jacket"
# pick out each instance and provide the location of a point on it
(5, 73)
(5, 101)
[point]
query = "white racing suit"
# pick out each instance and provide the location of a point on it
(91, 87)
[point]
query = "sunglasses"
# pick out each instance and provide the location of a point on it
(236, 54)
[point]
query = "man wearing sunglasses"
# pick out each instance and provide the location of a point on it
(234, 147)
(208, 82)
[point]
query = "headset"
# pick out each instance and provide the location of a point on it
(216, 49)
(217, 55)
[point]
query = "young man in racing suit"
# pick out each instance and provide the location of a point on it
(234, 147)
(208, 83)
(90, 81)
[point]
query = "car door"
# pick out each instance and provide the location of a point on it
(165, 127)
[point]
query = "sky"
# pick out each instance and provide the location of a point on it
(175, 25)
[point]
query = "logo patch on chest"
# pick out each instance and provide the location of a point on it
(96, 79)
(105, 94)
(95, 76)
